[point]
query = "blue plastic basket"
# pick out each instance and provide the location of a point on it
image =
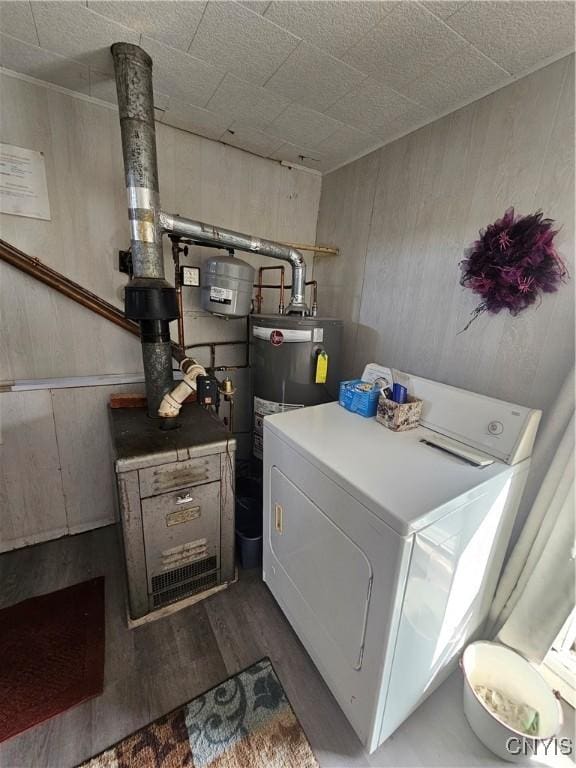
(363, 403)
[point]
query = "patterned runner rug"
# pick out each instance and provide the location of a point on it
(245, 722)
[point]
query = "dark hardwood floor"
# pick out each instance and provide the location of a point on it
(156, 667)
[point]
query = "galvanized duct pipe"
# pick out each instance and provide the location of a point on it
(227, 238)
(149, 298)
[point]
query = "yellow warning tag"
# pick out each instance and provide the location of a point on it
(321, 368)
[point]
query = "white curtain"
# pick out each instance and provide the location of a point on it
(536, 592)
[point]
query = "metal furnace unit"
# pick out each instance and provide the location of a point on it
(176, 503)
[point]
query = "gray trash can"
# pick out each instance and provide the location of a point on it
(249, 522)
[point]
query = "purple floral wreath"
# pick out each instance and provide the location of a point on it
(513, 263)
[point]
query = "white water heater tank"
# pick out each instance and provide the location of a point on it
(227, 286)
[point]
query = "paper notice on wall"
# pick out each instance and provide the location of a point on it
(23, 188)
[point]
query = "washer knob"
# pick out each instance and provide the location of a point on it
(495, 428)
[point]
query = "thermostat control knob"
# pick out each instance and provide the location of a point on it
(495, 428)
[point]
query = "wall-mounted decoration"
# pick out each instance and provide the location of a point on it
(513, 263)
(23, 188)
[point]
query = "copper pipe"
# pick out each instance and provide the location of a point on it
(281, 304)
(259, 285)
(326, 249)
(50, 277)
(313, 283)
(178, 285)
(72, 290)
(212, 346)
(231, 415)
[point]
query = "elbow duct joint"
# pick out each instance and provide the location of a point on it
(172, 401)
(200, 232)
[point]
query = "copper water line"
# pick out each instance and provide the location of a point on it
(322, 249)
(313, 283)
(259, 285)
(50, 277)
(231, 415)
(62, 284)
(212, 346)
(176, 250)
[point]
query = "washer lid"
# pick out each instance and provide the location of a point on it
(405, 482)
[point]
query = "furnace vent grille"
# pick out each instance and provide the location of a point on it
(184, 581)
(185, 590)
(184, 573)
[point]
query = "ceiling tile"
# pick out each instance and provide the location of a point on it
(462, 77)
(344, 145)
(300, 125)
(517, 35)
(250, 103)
(444, 8)
(195, 120)
(17, 21)
(314, 78)
(374, 107)
(70, 29)
(243, 42)
(181, 75)
(404, 46)
(246, 137)
(332, 25)
(103, 86)
(258, 6)
(173, 23)
(313, 82)
(413, 118)
(298, 155)
(34, 61)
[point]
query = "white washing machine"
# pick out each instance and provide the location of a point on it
(383, 549)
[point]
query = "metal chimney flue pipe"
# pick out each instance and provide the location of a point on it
(149, 298)
(227, 238)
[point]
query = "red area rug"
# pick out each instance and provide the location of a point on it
(51, 655)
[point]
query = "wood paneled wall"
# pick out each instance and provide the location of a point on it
(56, 473)
(45, 335)
(403, 217)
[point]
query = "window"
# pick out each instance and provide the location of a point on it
(559, 665)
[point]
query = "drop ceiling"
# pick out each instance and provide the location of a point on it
(316, 83)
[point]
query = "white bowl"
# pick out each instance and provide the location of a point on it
(496, 666)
